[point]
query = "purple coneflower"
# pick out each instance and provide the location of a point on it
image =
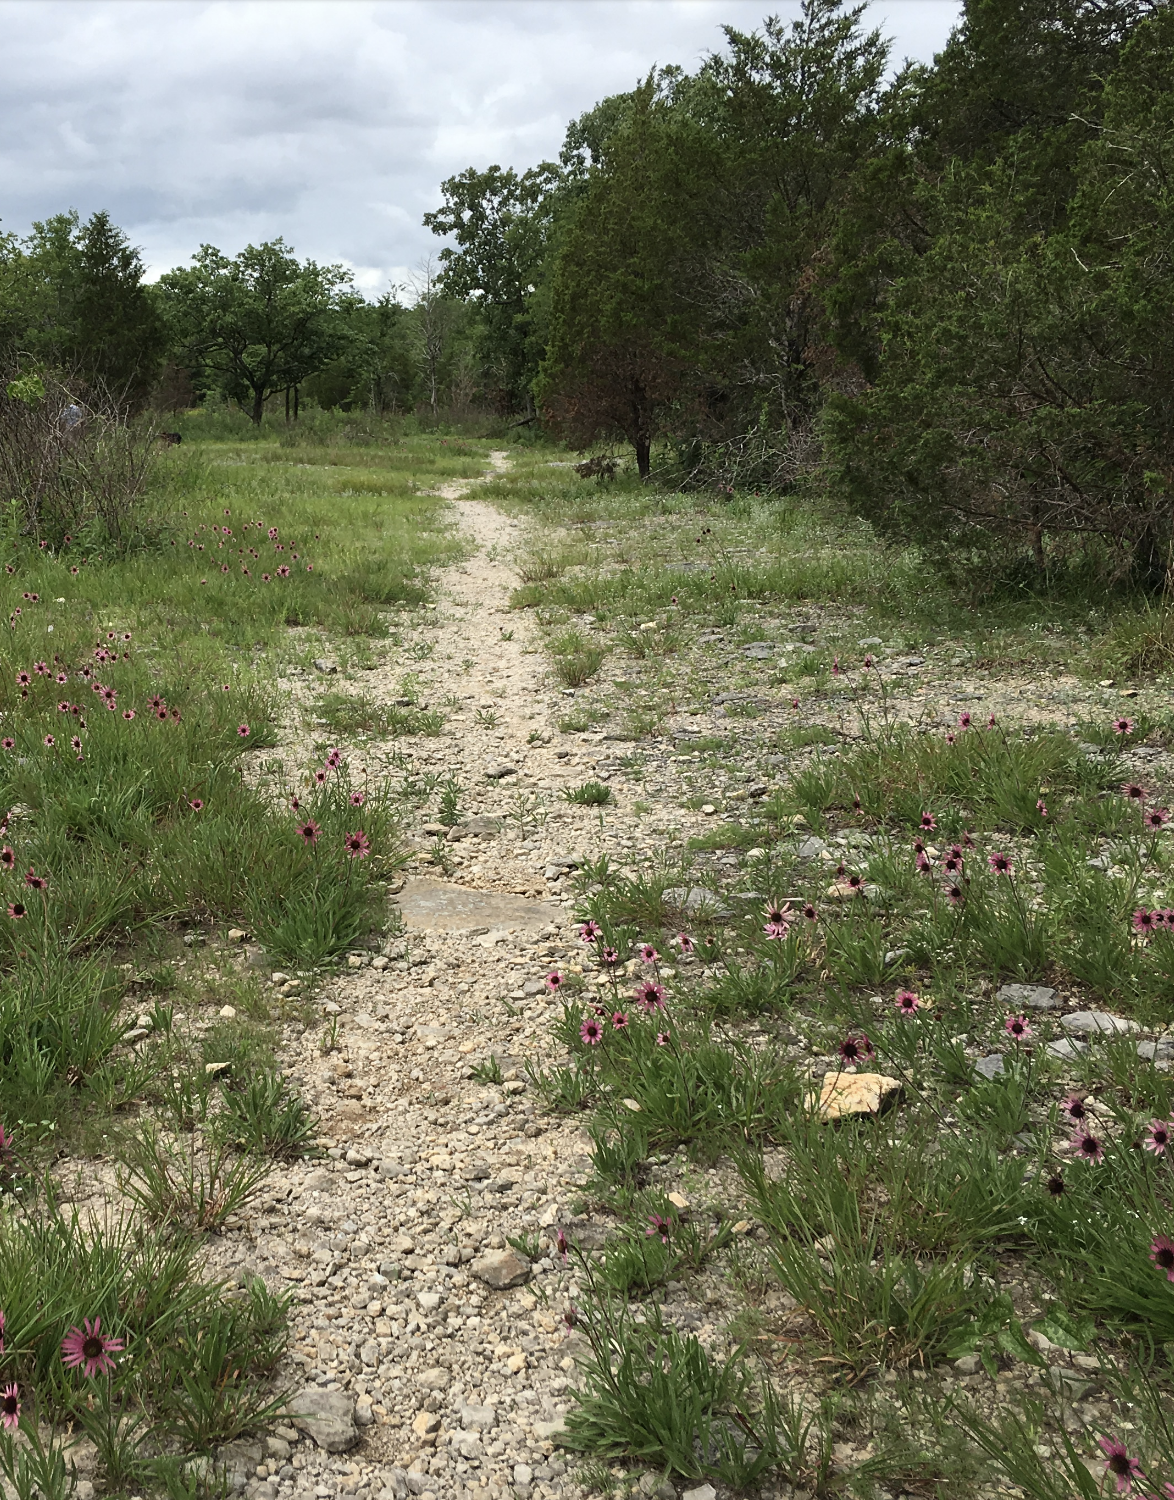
(650, 996)
(554, 981)
(562, 1245)
(1000, 864)
(10, 1406)
(609, 957)
(1088, 1146)
(1162, 1254)
(1017, 1027)
(1122, 726)
(7, 742)
(659, 1225)
(907, 1002)
(1134, 792)
(590, 930)
(591, 1032)
(662, 1038)
(1074, 1108)
(685, 943)
(357, 844)
(34, 881)
(89, 1348)
(243, 731)
(964, 721)
(309, 831)
(856, 1049)
(8, 857)
(1118, 1462)
(649, 954)
(17, 910)
(928, 822)
(1158, 1136)
(619, 1021)
(196, 804)
(128, 714)
(334, 759)
(1041, 807)
(1143, 922)
(1156, 817)
(357, 799)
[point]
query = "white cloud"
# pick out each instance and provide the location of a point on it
(330, 122)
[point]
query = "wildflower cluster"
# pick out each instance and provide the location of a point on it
(649, 994)
(252, 535)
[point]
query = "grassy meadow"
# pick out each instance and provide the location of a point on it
(142, 819)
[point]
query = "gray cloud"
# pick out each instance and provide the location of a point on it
(331, 122)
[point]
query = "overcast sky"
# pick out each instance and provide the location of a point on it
(330, 122)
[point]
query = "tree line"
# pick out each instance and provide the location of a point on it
(250, 329)
(942, 294)
(939, 294)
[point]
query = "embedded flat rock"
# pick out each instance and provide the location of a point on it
(435, 906)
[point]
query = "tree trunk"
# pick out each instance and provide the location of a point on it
(297, 394)
(643, 447)
(287, 390)
(258, 406)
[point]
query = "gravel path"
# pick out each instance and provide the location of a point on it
(443, 1353)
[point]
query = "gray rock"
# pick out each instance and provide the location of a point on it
(364, 1412)
(469, 1445)
(702, 1492)
(326, 1416)
(1161, 1051)
(501, 770)
(990, 1066)
(1028, 997)
(1096, 1022)
(811, 848)
(550, 1432)
(477, 1418)
(1067, 1383)
(523, 1475)
(969, 1364)
(696, 901)
(395, 1484)
(482, 826)
(759, 650)
(501, 1269)
(329, 667)
(436, 906)
(1066, 1048)
(435, 1379)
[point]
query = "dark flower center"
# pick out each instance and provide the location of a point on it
(92, 1348)
(1164, 1257)
(1120, 1463)
(11, 1406)
(1055, 1186)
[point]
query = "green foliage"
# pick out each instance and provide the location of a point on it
(260, 322)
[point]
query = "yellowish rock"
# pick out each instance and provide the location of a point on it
(678, 1200)
(854, 1094)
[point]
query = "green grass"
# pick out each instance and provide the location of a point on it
(151, 817)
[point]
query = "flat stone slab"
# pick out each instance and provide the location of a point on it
(1066, 1048)
(990, 1066)
(1094, 1022)
(697, 901)
(436, 906)
(1028, 997)
(326, 1416)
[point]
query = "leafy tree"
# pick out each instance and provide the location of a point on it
(501, 222)
(261, 322)
(1025, 388)
(73, 297)
(623, 326)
